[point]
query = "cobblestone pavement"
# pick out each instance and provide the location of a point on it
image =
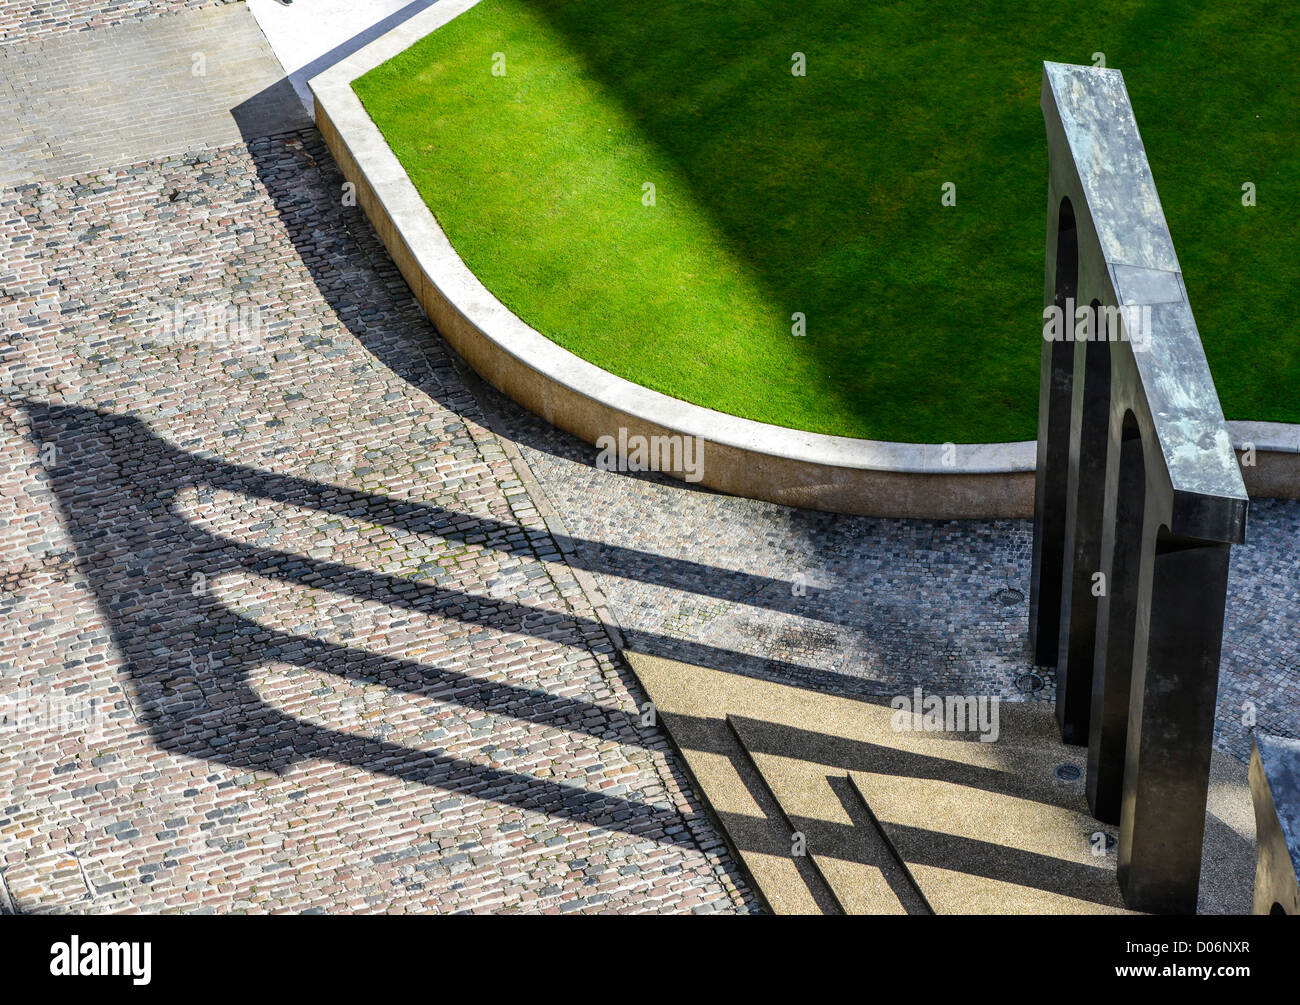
(36, 20)
(281, 624)
(285, 626)
(78, 101)
(872, 606)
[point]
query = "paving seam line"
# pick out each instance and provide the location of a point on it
(670, 776)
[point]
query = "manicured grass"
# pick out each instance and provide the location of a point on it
(778, 194)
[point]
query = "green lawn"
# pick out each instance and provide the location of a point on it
(820, 194)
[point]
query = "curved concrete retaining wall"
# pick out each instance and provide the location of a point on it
(739, 456)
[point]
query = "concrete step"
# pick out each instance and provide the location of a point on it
(745, 811)
(975, 846)
(976, 826)
(840, 838)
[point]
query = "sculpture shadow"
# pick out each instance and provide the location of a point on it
(343, 256)
(921, 846)
(189, 657)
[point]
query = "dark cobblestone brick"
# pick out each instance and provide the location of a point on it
(274, 569)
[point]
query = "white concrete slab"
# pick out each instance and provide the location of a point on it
(310, 36)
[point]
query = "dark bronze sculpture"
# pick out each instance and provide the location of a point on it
(1139, 494)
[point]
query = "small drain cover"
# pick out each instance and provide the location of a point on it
(1029, 683)
(1009, 597)
(1068, 772)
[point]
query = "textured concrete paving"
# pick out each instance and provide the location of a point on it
(873, 607)
(144, 88)
(979, 827)
(281, 625)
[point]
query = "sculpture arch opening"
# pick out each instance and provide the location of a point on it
(1116, 634)
(1053, 428)
(1083, 578)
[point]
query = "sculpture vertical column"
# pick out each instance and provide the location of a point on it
(1117, 620)
(1275, 791)
(1050, 480)
(1085, 501)
(1171, 728)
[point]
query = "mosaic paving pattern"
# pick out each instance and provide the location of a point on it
(890, 605)
(281, 627)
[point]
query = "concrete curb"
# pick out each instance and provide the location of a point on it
(739, 456)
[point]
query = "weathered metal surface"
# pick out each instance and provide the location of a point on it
(1138, 493)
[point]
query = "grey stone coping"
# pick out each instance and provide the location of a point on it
(1124, 211)
(395, 199)
(1273, 437)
